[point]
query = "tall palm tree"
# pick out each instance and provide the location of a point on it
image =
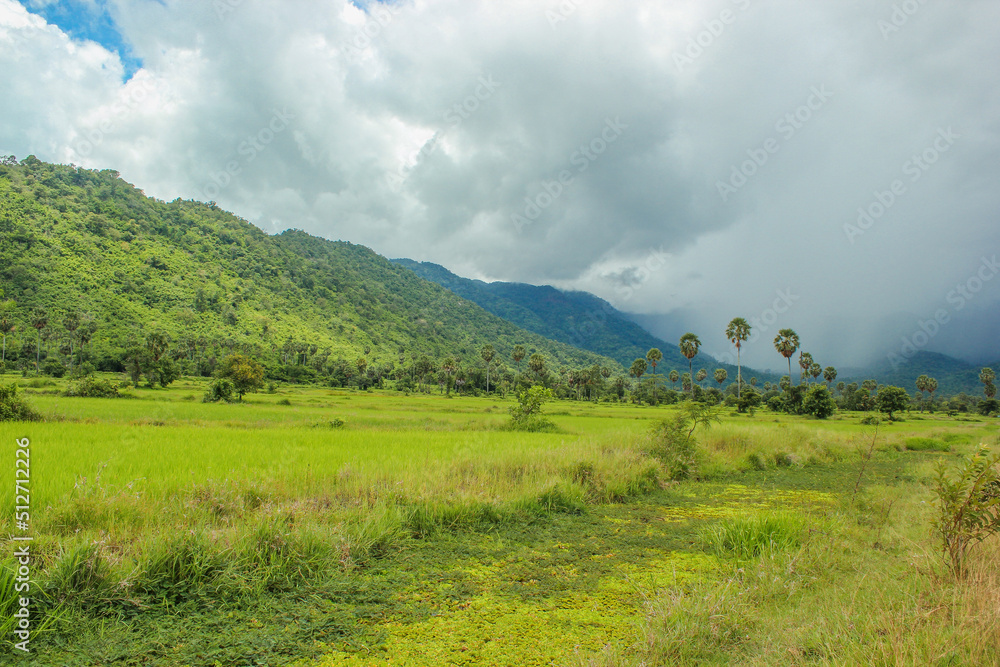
(829, 374)
(931, 388)
(674, 377)
(922, 385)
(689, 345)
(815, 370)
(39, 320)
(517, 355)
(738, 332)
(637, 370)
(786, 343)
(805, 361)
(449, 366)
(720, 376)
(537, 365)
(701, 375)
(487, 354)
(653, 357)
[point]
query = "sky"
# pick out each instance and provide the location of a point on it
(829, 166)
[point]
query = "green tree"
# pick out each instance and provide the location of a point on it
(701, 375)
(487, 353)
(518, 355)
(815, 370)
(689, 345)
(720, 376)
(537, 365)
(637, 370)
(653, 357)
(891, 399)
(738, 332)
(829, 374)
(449, 366)
(246, 374)
(987, 376)
(786, 343)
(674, 377)
(805, 362)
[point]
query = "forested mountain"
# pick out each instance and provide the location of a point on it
(953, 375)
(83, 243)
(577, 318)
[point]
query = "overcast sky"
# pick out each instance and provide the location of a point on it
(688, 160)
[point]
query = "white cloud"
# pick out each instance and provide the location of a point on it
(393, 141)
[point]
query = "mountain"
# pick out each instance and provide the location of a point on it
(953, 375)
(82, 241)
(576, 318)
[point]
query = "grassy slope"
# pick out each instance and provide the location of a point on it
(86, 241)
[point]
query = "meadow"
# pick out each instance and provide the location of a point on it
(316, 527)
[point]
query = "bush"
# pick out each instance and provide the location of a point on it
(13, 408)
(818, 402)
(988, 407)
(220, 389)
(54, 367)
(673, 439)
(527, 414)
(92, 387)
(748, 401)
(968, 506)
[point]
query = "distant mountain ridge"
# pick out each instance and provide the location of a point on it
(576, 318)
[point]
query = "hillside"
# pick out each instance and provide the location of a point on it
(82, 241)
(577, 318)
(953, 375)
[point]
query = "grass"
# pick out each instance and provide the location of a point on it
(417, 531)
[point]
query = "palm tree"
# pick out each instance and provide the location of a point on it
(922, 385)
(805, 361)
(815, 370)
(449, 366)
(674, 377)
(39, 320)
(786, 343)
(931, 388)
(487, 354)
(689, 345)
(829, 374)
(720, 376)
(653, 357)
(537, 365)
(869, 385)
(753, 381)
(6, 326)
(737, 332)
(637, 370)
(71, 323)
(701, 375)
(517, 355)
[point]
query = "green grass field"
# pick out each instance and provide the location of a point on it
(323, 527)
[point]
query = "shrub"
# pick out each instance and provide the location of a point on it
(673, 439)
(988, 407)
(818, 402)
(527, 414)
(748, 401)
(219, 389)
(13, 408)
(92, 387)
(968, 506)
